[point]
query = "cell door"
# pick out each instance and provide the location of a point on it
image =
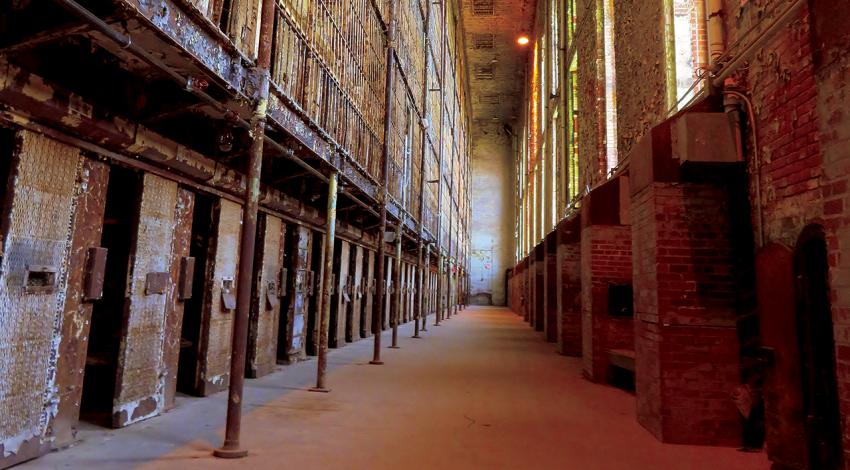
(817, 351)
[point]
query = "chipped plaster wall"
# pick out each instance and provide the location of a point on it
(43, 202)
(492, 237)
(141, 369)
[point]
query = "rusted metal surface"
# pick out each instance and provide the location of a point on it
(174, 309)
(397, 301)
(425, 287)
(296, 311)
(231, 447)
(385, 156)
(185, 278)
(216, 321)
(265, 306)
(87, 229)
(355, 307)
(95, 270)
(139, 393)
(341, 298)
(327, 283)
(367, 325)
(39, 233)
(24, 90)
(198, 39)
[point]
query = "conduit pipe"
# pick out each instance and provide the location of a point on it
(756, 163)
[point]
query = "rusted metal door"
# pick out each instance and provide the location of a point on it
(70, 366)
(340, 298)
(141, 374)
(815, 335)
(352, 331)
(183, 215)
(265, 297)
(301, 241)
(367, 329)
(314, 289)
(388, 293)
(220, 286)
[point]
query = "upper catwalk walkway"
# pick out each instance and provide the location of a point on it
(482, 391)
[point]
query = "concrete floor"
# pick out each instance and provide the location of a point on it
(482, 391)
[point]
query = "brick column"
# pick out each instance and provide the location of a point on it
(551, 288)
(569, 292)
(539, 305)
(687, 352)
(606, 263)
(690, 230)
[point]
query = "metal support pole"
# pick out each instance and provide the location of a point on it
(327, 284)
(231, 448)
(425, 302)
(396, 310)
(389, 96)
(438, 314)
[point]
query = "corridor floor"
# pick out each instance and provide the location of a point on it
(483, 391)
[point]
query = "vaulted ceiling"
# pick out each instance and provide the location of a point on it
(496, 62)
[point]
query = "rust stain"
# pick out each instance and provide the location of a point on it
(87, 228)
(174, 308)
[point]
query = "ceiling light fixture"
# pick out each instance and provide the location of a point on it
(523, 40)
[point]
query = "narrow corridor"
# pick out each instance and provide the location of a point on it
(481, 391)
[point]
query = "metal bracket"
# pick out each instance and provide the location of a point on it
(186, 279)
(95, 273)
(228, 293)
(156, 283)
(272, 296)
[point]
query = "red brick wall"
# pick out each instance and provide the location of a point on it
(606, 258)
(539, 310)
(551, 291)
(569, 336)
(832, 68)
(687, 353)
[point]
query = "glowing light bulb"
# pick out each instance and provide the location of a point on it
(523, 40)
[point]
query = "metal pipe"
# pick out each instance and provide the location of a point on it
(396, 310)
(327, 285)
(756, 162)
(231, 447)
(389, 96)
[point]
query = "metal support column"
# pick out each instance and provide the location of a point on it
(327, 284)
(425, 302)
(231, 447)
(395, 312)
(389, 96)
